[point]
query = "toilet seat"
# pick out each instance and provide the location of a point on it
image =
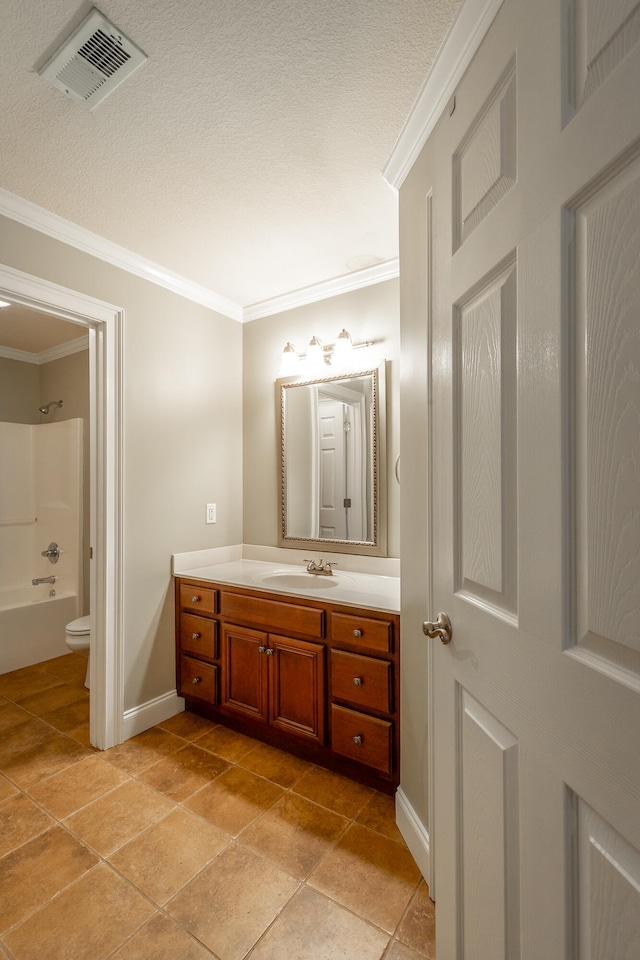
(79, 628)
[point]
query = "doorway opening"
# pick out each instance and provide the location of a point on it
(103, 323)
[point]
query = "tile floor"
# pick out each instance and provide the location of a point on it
(188, 842)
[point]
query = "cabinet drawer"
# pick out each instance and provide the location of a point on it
(272, 615)
(197, 599)
(362, 632)
(198, 679)
(199, 636)
(363, 738)
(364, 681)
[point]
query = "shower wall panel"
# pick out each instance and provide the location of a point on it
(40, 502)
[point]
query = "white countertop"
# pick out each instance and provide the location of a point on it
(373, 591)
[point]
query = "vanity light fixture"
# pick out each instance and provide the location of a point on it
(338, 354)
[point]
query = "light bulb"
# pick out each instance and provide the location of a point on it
(289, 362)
(342, 349)
(315, 353)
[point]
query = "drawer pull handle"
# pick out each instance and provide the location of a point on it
(197, 680)
(357, 633)
(357, 681)
(195, 599)
(357, 740)
(196, 636)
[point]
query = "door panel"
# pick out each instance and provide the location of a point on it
(608, 894)
(484, 357)
(489, 813)
(484, 165)
(602, 33)
(606, 357)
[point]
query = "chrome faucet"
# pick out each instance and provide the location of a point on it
(37, 580)
(320, 569)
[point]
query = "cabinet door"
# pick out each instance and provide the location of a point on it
(245, 687)
(296, 686)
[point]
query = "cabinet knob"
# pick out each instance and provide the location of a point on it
(357, 633)
(261, 649)
(269, 652)
(197, 680)
(195, 599)
(357, 681)
(196, 636)
(357, 740)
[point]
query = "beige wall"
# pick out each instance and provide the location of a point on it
(182, 376)
(19, 391)
(368, 314)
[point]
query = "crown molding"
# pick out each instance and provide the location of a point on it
(64, 349)
(9, 353)
(46, 356)
(50, 224)
(388, 270)
(31, 215)
(464, 38)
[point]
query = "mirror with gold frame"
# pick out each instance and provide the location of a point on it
(332, 432)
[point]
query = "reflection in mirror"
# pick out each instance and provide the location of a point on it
(332, 444)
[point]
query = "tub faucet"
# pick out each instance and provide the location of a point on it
(37, 580)
(52, 553)
(320, 569)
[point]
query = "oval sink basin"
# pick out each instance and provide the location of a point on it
(299, 581)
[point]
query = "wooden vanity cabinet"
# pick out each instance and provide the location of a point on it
(316, 678)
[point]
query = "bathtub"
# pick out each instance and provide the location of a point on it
(32, 623)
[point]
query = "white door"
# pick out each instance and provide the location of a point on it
(531, 212)
(332, 469)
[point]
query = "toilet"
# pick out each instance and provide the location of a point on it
(78, 637)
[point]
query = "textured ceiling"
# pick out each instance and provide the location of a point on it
(246, 155)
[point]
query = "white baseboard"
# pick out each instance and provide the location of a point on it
(138, 719)
(414, 832)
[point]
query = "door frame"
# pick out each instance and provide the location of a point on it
(104, 324)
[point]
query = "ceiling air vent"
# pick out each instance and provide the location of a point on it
(95, 59)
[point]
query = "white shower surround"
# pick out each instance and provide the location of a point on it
(41, 484)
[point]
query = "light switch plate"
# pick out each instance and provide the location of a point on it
(211, 513)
